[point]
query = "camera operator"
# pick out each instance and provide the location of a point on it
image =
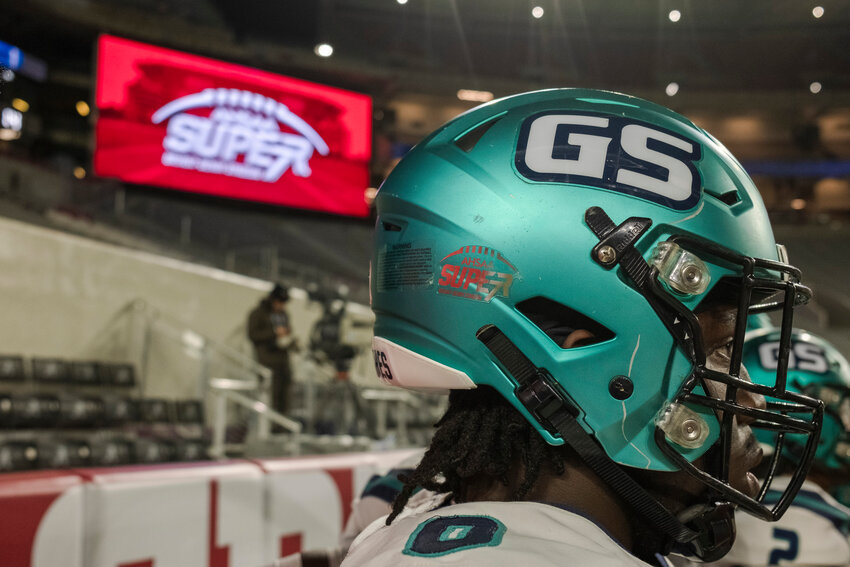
(326, 336)
(270, 333)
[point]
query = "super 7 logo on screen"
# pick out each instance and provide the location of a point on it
(185, 122)
(242, 124)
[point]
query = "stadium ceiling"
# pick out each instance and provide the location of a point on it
(499, 45)
(439, 46)
(725, 56)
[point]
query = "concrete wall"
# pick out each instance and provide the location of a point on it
(59, 291)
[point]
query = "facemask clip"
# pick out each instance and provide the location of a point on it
(683, 426)
(684, 272)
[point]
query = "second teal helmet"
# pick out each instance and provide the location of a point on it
(546, 212)
(817, 369)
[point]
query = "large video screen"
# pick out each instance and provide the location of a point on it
(181, 121)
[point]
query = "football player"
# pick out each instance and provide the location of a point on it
(815, 527)
(577, 267)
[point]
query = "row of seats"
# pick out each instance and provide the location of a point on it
(28, 411)
(59, 371)
(23, 455)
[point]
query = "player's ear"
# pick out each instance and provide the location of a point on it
(578, 338)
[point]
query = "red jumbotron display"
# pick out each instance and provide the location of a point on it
(185, 122)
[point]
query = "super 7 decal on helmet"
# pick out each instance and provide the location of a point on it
(625, 219)
(476, 272)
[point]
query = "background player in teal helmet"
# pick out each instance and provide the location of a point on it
(577, 266)
(814, 529)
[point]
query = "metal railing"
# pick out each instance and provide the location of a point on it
(141, 334)
(226, 390)
(174, 361)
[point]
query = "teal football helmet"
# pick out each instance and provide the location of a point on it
(564, 209)
(817, 369)
(759, 321)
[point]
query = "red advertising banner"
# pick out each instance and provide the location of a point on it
(181, 121)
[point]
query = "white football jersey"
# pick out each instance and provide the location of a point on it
(813, 531)
(487, 533)
(377, 497)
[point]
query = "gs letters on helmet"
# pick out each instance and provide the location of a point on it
(611, 152)
(803, 356)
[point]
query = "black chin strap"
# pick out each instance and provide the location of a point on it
(538, 392)
(706, 532)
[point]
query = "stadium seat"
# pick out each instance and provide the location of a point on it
(149, 451)
(84, 373)
(118, 411)
(35, 410)
(81, 411)
(63, 453)
(6, 410)
(189, 411)
(191, 450)
(18, 456)
(118, 374)
(112, 452)
(49, 370)
(12, 369)
(155, 410)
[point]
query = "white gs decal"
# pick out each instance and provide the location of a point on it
(611, 152)
(803, 356)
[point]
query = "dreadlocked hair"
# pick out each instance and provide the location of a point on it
(480, 438)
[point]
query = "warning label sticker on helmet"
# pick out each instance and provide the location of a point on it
(405, 266)
(476, 272)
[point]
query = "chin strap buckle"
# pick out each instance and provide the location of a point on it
(536, 387)
(544, 402)
(715, 525)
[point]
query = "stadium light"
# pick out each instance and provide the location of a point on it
(324, 50)
(20, 104)
(370, 194)
(474, 96)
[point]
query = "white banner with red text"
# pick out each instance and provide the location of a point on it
(236, 513)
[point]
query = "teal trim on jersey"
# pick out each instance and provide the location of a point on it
(454, 532)
(841, 493)
(814, 502)
(388, 486)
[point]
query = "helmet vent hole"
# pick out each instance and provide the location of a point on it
(728, 196)
(470, 138)
(390, 227)
(559, 321)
